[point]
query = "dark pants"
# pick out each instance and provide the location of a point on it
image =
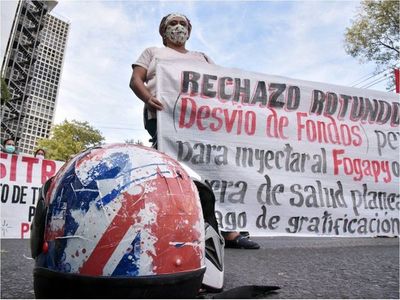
(151, 127)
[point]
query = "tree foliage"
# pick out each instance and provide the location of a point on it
(70, 138)
(5, 93)
(374, 34)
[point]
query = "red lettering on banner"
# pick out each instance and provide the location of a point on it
(204, 113)
(192, 115)
(3, 169)
(19, 164)
(49, 168)
(24, 229)
(327, 131)
(397, 79)
(13, 171)
(275, 125)
(215, 114)
(360, 167)
(204, 117)
(13, 167)
(30, 162)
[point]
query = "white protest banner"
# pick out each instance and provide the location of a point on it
(21, 180)
(284, 156)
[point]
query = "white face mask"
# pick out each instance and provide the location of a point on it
(177, 34)
(40, 156)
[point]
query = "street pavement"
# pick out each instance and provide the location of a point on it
(340, 268)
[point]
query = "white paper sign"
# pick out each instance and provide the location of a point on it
(21, 178)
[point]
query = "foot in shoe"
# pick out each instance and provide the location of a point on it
(241, 242)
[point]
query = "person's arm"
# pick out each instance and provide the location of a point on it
(139, 88)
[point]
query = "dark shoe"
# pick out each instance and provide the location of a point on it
(241, 242)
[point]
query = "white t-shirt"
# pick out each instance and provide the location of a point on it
(148, 60)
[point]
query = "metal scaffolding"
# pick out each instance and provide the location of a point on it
(18, 63)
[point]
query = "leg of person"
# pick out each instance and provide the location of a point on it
(151, 127)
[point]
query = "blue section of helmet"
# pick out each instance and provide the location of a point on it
(58, 208)
(73, 194)
(109, 197)
(128, 265)
(110, 167)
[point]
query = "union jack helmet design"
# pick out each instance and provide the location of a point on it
(123, 216)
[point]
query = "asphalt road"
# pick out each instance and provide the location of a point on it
(302, 267)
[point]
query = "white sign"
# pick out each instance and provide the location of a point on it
(21, 178)
(285, 156)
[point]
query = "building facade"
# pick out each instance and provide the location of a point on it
(32, 69)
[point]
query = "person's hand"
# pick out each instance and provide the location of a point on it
(154, 104)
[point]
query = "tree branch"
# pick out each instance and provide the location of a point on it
(388, 46)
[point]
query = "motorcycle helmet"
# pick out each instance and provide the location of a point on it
(120, 221)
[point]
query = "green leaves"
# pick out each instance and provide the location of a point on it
(5, 94)
(374, 34)
(70, 138)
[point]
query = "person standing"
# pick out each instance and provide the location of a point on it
(40, 153)
(175, 30)
(9, 146)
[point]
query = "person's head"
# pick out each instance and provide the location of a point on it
(175, 28)
(9, 145)
(40, 153)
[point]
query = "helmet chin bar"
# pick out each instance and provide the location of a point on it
(213, 279)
